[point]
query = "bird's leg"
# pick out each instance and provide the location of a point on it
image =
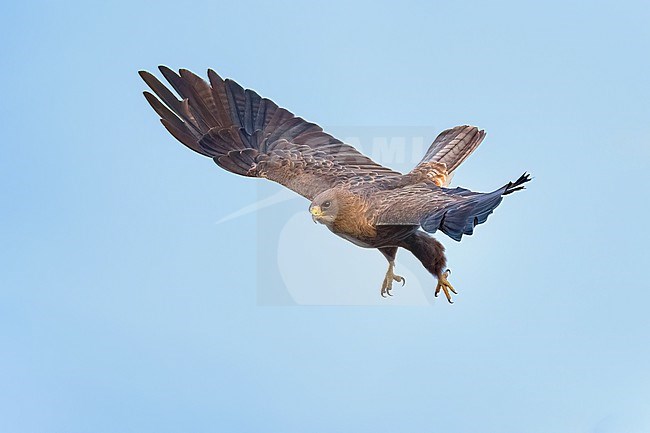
(444, 285)
(387, 285)
(431, 254)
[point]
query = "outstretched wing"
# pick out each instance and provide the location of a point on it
(447, 152)
(251, 136)
(453, 211)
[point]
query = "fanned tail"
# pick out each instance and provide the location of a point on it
(452, 147)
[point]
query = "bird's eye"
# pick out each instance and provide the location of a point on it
(325, 205)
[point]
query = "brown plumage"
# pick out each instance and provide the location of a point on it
(356, 198)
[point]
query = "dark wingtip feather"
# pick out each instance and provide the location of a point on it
(214, 78)
(517, 185)
(154, 102)
(183, 136)
(148, 78)
(166, 70)
(173, 78)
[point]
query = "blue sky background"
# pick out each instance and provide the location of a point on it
(125, 308)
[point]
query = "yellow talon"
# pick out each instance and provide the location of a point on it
(444, 285)
(387, 285)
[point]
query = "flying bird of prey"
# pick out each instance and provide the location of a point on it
(356, 198)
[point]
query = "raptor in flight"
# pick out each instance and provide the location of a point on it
(353, 196)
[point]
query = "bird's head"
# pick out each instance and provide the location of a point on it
(325, 207)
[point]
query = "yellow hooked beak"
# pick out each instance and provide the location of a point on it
(316, 213)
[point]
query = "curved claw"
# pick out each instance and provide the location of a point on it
(387, 285)
(385, 291)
